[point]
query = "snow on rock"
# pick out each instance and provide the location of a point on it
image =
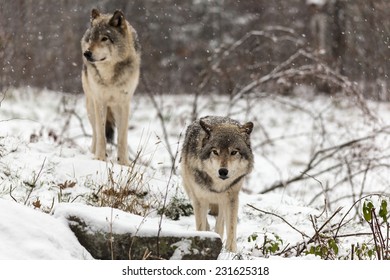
(109, 233)
(182, 248)
(106, 219)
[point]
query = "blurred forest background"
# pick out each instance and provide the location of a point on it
(219, 46)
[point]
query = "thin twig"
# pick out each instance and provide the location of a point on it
(316, 159)
(166, 196)
(33, 184)
(317, 232)
(349, 210)
(162, 120)
(283, 219)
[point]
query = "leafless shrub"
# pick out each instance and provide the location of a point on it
(326, 242)
(242, 68)
(343, 155)
(125, 190)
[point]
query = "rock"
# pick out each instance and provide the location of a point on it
(113, 234)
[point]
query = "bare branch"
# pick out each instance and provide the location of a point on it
(283, 219)
(319, 157)
(162, 121)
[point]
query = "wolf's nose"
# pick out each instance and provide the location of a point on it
(88, 55)
(223, 172)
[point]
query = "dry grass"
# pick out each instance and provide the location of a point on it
(125, 190)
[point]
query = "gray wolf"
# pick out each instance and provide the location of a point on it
(110, 75)
(216, 157)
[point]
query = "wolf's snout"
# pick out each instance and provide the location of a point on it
(223, 173)
(88, 55)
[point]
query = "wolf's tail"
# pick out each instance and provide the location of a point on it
(110, 124)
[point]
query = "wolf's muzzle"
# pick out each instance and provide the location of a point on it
(223, 173)
(88, 56)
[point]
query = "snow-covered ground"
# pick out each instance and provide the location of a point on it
(45, 161)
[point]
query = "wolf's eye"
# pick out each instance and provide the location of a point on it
(215, 152)
(233, 153)
(104, 39)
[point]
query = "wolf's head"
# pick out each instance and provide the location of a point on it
(110, 38)
(226, 151)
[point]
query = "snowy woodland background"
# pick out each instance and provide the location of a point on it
(311, 74)
(39, 42)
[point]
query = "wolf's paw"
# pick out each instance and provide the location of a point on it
(124, 161)
(231, 246)
(100, 157)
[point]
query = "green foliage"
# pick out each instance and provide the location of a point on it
(378, 222)
(333, 245)
(326, 248)
(383, 211)
(176, 208)
(367, 210)
(365, 252)
(327, 243)
(271, 244)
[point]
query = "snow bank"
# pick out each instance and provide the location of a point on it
(106, 219)
(26, 233)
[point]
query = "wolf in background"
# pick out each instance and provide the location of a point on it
(110, 75)
(216, 157)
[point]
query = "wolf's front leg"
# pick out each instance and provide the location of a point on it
(220, 220)
(200, 210)
(100, 127)
(92, 119)
(122, 118)
(231, 221)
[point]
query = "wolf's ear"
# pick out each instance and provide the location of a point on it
(94, 14)
(206, 127)
(247, 128)
(117, 19)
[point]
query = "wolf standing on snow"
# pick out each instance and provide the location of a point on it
(110, 75)
(216, 157)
